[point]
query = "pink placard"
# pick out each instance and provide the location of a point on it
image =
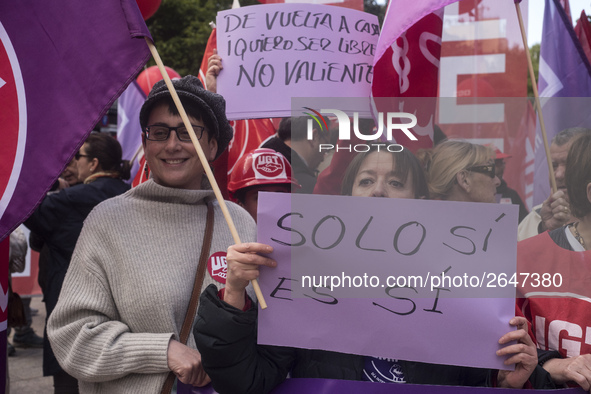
(274, 52)
(439, 323)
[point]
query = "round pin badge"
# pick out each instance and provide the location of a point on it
(217, 267)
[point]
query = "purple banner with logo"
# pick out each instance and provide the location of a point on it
(331, 386)
(62, 65)
(565, 77)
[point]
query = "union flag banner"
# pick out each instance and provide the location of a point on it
(409, 68)
(483, 84)
(62, 65)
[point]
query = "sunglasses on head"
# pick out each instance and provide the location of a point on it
(488, 169)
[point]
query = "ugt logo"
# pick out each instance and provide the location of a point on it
(345, 124)
(268, 165)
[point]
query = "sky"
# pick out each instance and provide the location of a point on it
(536, 17)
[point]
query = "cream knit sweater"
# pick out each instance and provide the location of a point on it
(129, 284)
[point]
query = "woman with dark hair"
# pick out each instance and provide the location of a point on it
(558, 308)
(379, 173)
(58, 221)
(99, 157)
(226, 329)
(126, 309)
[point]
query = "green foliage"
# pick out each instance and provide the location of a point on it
(534, 51)
(373, 7)
(180, 29)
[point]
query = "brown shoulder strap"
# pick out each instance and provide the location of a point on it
(190, 316)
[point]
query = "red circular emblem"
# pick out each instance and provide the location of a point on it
(9, 115)
(217, 267)
(269, 165)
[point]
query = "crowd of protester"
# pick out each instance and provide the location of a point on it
(123, 270)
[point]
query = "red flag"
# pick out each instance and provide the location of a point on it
(143, 174)
(477, 70)
(248, 134)
(409, 68)
(469, 7)
(583, 32)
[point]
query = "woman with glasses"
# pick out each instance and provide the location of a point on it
(58, 222)
(119, 323)
(461, 171)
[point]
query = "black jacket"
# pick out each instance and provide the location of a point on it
(277, 145)
(303, 174)
(226, 338)
(300, 170)
(506, 192)
(58, 222)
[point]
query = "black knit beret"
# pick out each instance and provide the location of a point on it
(211, 105)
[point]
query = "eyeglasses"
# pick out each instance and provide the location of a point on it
(161, 133)
(488, 169)
(78, 155)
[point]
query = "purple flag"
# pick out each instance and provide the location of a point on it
(62, 65)
(330, 386)
(183, 388)
(565, 78)
(128, 125)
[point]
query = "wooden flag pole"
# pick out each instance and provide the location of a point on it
(136, 154)
(537, 99)
(212, 181)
